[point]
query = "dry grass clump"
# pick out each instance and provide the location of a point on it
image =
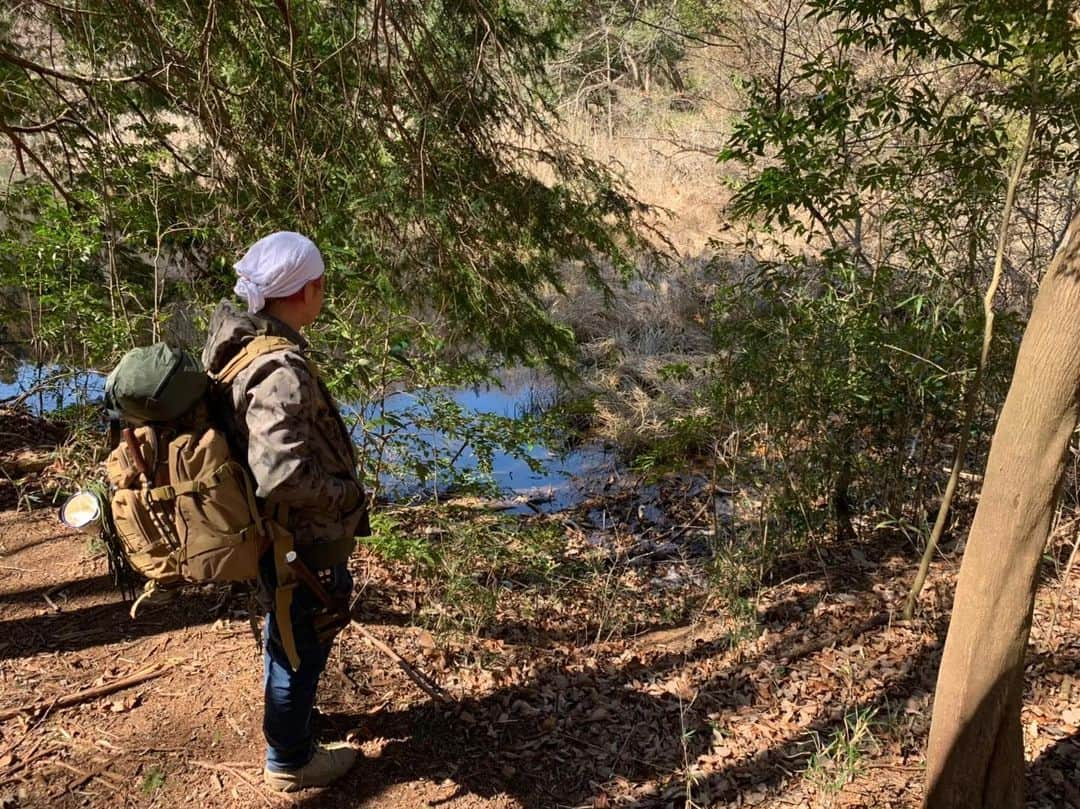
(644, 348)
(669, 161)
(638, 406)
(645, 345)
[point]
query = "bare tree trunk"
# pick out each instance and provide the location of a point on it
(975, 758)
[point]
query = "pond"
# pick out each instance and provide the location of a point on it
(556, 484)
(47, 388)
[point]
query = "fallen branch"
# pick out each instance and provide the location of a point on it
(819, 645)
(424, 683)
(675, 533)
(26, 462)
(8, 775)
(88, 694)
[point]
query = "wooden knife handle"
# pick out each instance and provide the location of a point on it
(136, 454)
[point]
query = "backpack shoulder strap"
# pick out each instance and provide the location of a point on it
(263, 344)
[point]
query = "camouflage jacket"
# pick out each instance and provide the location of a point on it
(281, 418)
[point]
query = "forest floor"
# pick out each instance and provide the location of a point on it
(592, 663)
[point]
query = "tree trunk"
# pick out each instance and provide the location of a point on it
(975, 758)
(842, 507)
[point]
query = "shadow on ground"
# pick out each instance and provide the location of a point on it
(1054, 777)
(75, 629)
(553, 741)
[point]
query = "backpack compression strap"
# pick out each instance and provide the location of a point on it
(282, 540)
(255, 348)
(286, 587)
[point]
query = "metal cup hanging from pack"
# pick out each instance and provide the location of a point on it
(83, 511)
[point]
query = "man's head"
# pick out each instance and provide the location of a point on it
(282, 274)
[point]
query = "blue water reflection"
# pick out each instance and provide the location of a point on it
(49, 388)
(554, 486)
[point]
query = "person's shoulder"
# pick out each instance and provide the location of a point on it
(226, 333)
(287, 362)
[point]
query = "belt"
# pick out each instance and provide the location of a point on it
(327, 554)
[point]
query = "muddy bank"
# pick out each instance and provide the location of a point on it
(30, 467)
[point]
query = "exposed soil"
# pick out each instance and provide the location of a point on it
(811, 696)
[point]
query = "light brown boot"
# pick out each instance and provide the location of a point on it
(330, 762)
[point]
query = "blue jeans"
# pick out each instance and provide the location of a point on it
(290, 695)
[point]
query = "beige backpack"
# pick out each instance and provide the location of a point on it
(183, 508)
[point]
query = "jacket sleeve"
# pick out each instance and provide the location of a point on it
(279, 417)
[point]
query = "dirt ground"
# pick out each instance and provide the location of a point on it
(815, 697)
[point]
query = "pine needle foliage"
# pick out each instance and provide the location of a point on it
(413, 140)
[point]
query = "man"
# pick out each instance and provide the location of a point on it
(281, 418)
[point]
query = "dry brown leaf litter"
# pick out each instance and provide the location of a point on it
(818, 699)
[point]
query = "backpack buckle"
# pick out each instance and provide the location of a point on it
(161, 493)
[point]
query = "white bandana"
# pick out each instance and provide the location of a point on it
(276, 266)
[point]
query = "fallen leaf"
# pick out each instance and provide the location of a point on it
(598, 714)
(123, 704)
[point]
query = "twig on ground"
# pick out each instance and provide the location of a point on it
(98, 772)
(679, 530)
(1061, 587)
(8, 775)
(262, 791)
(89, 693)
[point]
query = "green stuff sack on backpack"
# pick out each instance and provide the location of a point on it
(184, 509)
(158, 383)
